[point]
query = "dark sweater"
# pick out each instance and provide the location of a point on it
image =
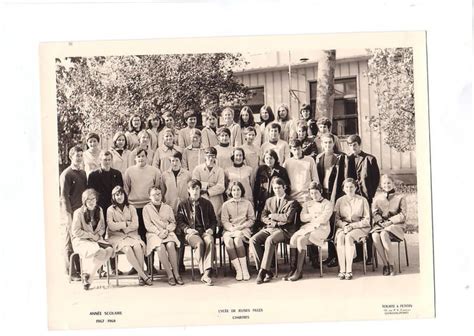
(103, 182)
(72, 184)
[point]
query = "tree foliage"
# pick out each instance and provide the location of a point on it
(101, 93)
(391, 74)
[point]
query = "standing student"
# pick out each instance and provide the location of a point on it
(161, 225)
(315, 229)
(88, 228)
(246, 120)
(306, 116)
(364, 169)
(184, 134)
(161, 158)
(91, 155)
(389, 211)
(224, 148)
(324, 128)
(72, 183)
(169, 125)
(212, 179)
(193, 155)
(234, 128)
(278, 217)
(197, 223)
(154, 124)
(209, 132)
(286, 123)
(240, 172)
(237, 218)
(174, 182)
(103, 181)
(120, 153)
(307, 143)
(251, 150)
(352, 216)
(143, 144)
(276, 143)
(301, 171)
(135, 125)
(122, 222)
(266, 118)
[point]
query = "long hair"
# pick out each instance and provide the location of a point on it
(251, 121)
(116, 136)
(96, 212)
(116, 190)
(238, 184)
(271, 115)
(130, 126)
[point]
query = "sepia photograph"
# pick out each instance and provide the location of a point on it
(237, 180)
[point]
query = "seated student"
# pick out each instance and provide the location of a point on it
(143, 144)
(174, 182)
(169, 125)
(301, 171)
(88, 227)
(234, 128)
(240, 172)
(389, 211)
(237, 219)
(274, 142)
(122, 222)
(165, 151)
(197, 222)
(154, 124)
(246, 120)
(193, 155)
(209, 131)
(324, 127)
(224, 148)
(135, 125)
(160, 225)
(307, 143)
(120, 153)
(352, 216)
(251, 150)
(314, 229)
(286, 123)
(91, 155)
(278, 218)
(266, 119)
(184, 134)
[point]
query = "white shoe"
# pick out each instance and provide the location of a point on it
(245, 270)
(238, 269)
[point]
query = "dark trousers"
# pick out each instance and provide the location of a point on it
(263, 245)
(142, 228)
(67, 248)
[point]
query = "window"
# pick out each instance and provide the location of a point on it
(345, 114)
(256, 101)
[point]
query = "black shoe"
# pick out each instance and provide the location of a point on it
(268, 276)
(368, 262)
(75, 277)
(119, 272)
(358, 259)
(85, 281)
(182, 269)
(385, 271)
(133, 271)
(332, 263)
(391, 270)
(261, 275)
(289, 274)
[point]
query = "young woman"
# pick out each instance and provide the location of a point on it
(193, 155)
(135, 125)
(266, 118)
(224, 148)
(209, 132)
(240, 172)
(234, 128)
(88, 227)
(169, 125)
(154, 124)
(305, 116)
(143, 144)
(122, 221)
(266, 173)
(120, 153)
(315, 228)
(246, 120)
(161, 157)
(352, 223)
(238, 217)
(286, 123)
(252, 151)
(160, 224)
(389, 211)
(308, 145)
(91, 155)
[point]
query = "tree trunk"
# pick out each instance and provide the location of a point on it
(325, 84)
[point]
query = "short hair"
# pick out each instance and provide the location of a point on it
(193, 183)
(249, 129)
(237, 149)
(223, 130)
(295, 143)
(189, 114)
(116, 190)
(157, 117)
(104, 153)
(154, 188)
(328, 136)
(324, 121)
(354, 138)
(141, 150)
(273, 154)
(166, 131)
(306, 107)
(315, 186)
(168, 114)
(238, 184)
(92, 135)
(212, 111)
(228, 109)
(130, 125)
(287, 112)
(387, 176)
(277, 126)
(142, 133)
(349, 180)
(302, 124)
(196, 131)
(118, 135)
(75, 149)
(87, 193)
(279, 181)
(271, 115)
(177, 155)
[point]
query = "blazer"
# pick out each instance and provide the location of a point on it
(215, 180)
(366, 172)
(336, 175)
(263, 184)
(285, 214)
(184, 216)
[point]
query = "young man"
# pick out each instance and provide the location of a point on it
(72, 183)
(278, 218)
(301, 171)
(104, 180)
(363, 168)
(274, 142)
(324, 127)
(197, 223)
(330, 170)
(184, 135)
(165, 151)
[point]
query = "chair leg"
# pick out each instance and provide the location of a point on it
(374, 256)
(151, 262)
(108, 273)
(364, 248)
(276, 261)
(320, 253)
(406, 251)
(192, 263)
(399, 260)
(116, 270)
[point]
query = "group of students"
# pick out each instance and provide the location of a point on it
(158, 189)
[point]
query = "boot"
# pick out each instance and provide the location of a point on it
(299, 268)
(245, 270)
(293, 253)
(238, 270)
